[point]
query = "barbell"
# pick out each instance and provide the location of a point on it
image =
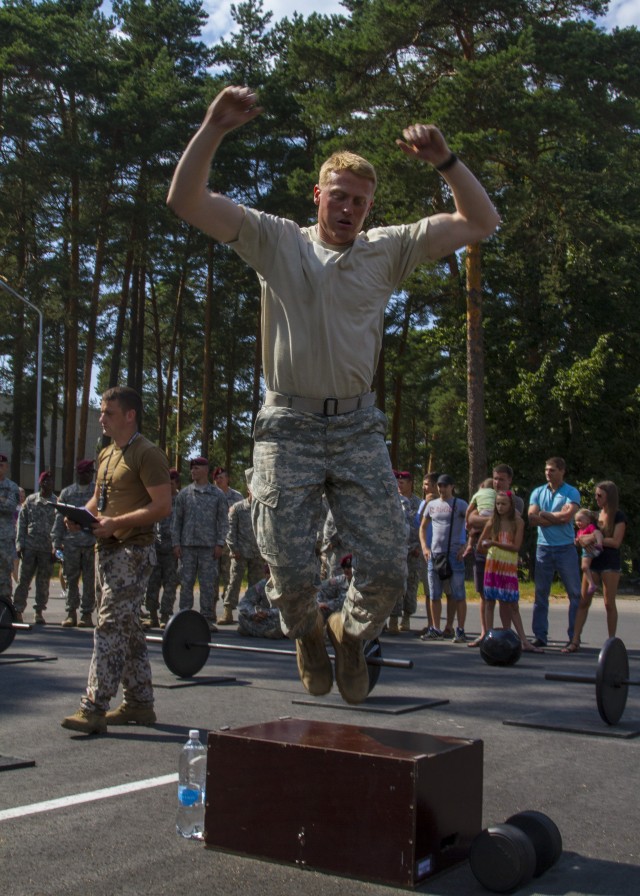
(186, 645)
(8, 625)
(611, 680)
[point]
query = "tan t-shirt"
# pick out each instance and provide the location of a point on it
(322, 306)
(127, 474)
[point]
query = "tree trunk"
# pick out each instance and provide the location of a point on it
(207, 361)
(475, 372)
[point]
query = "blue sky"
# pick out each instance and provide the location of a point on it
(622, 13)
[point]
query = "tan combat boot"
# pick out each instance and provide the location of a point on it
(227, 617)
(392, 627)
(137, 713)
(405, 625)
(314, 665)
(71, 620)
(352, 675)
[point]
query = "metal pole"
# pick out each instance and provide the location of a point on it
(9, 289)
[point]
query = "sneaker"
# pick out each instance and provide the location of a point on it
(227, 617)
(460, 637)
(432, 634)
(87, 721)
(392, 627)
(39, 618)
(314, 665)
(448, 634)
(352, 675)
(71, 620)
(405, 624)
(139, 714)
(86, 621)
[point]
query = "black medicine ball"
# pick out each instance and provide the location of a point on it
(501, 647)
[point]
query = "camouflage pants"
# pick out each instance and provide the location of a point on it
(299, 456)
(36, 563)
(224, 565)
(255, 572)
(119, 644)
(199, 563)
(7, 553)
(270, 627)
(408, 603)
(79, 560)
(164, 575)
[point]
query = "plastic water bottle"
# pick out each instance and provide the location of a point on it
(192, 775)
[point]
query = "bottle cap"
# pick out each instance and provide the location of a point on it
(194, 734)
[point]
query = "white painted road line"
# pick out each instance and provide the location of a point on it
(76, 799)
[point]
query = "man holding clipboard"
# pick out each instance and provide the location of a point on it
(132, 492)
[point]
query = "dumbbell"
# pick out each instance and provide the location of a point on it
(504, 857)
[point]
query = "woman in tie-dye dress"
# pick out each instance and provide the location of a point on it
(502, 539)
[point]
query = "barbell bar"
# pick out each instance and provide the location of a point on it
(611, 680)
(186, 645)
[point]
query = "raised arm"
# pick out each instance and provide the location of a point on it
(189, 196)
(475, 217)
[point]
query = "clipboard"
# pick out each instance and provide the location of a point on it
(78, 515)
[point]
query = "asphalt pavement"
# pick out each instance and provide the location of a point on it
(97, 814)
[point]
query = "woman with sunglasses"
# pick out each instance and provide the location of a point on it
(605, 568)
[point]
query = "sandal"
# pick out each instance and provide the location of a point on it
(571, 647)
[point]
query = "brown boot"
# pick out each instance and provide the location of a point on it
(392, 627)
(71, 620)
(405, 625)
(152, 621)
(352, 675)
(87, 721)
(227, 617)
(314, 665)
(85, 621)
(131, 712)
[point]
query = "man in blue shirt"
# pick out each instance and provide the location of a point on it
(552, 508)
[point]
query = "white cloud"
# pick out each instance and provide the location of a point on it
(623, 14)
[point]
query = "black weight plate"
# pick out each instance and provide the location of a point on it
(543, 833)
(612, 671)
(7, 618)
(185, 643)
(372, 648)
(502, 858)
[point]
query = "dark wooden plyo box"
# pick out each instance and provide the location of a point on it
(390, 806)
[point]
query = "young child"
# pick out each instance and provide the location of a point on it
(482, 503)
(502, 538)
(586, 522)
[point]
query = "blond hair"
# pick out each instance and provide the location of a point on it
(347, 161)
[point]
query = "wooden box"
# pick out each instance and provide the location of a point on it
(389, 806)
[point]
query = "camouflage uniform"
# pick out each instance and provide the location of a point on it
(199, 525)
(407, 604)
(120, 646)
(332, 548)
(165, 573)
(33, 538)
(255, 598)
(78, 552)
(9, 501)
(241, 540)
(297, 457)
(332, 593)
(224, 563)
(123, 567)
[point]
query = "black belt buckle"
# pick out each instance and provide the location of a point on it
(325, 407)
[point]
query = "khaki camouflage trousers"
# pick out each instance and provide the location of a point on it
(255, 571)
(7, 553)
(299, 456)
(198, 563)
(79, 560)
(119, 644)
(36, 563)
(408, 602)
